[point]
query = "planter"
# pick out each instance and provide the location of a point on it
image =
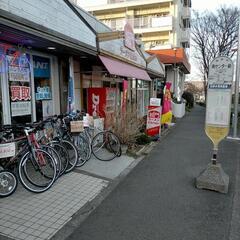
(178, 109)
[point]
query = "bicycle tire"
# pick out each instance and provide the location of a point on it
(72, 153)
(63, 153)
(22, 172)
(84, 149)
(8, 183)
(105, 146)
(55, 156)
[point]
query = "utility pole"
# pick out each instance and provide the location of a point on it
(235, 122)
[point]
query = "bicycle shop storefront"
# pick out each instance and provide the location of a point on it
(27, 85)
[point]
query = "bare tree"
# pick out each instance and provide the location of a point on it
(214, 34)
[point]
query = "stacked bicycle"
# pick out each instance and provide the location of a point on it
(40, 153)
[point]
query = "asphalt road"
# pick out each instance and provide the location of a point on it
(158, 199)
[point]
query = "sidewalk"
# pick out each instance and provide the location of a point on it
(158, 199)
(25, 215)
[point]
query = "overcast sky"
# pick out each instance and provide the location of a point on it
(212, 4)
(197, 4)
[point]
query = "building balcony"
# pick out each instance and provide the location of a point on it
(144, 24)
(186, 12)
(116, 4)
(185, 35)
(153, 24)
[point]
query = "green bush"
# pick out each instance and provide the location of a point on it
(143, 139)
(188, 96)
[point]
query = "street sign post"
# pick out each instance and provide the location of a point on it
(217, 122)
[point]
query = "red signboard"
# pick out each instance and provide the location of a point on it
(153, 120)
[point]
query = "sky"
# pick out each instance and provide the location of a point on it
(202, 5)
(196, 4)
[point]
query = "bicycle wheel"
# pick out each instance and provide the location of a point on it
(106, 146)
(63, 154)
(8, 183)
(72, 153)
(37, 170)
(55, 156)
(84, 149)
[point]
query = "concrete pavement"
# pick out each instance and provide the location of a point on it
(158, 199)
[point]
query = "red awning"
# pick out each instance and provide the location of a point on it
(123, 69)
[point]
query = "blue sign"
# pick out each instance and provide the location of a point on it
(41, 67)
(43, 93)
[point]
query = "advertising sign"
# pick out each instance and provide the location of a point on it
(41, 67)
(219, 96)
(43, 93)
(155, 101)
(7, 150)
(153, 120)
(18, 74)
(129, 38)
(21, 108)
(167, 108)
(19, 93)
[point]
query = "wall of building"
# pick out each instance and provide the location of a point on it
(54, 15)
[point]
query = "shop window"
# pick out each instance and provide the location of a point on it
(18, 72)
(1, 111)
(43, 88)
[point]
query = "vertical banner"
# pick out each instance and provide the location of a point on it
(71, 100)
(167, 109)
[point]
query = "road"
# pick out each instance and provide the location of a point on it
(158, 199)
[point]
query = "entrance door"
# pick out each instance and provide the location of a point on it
(43, 87)
(1, 109)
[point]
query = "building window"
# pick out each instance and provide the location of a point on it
(186, 23)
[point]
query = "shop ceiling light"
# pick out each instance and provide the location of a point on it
(51, 48)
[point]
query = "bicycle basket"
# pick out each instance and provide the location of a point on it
(76, 126)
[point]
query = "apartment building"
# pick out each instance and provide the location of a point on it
(162, 25)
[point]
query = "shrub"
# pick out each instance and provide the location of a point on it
(188, 96)
(143, 139)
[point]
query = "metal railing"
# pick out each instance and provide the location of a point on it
(139, 23)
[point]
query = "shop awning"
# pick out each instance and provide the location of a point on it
(171, 56)
(123, 69)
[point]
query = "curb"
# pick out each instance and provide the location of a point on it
(90, 206)
(81, 215)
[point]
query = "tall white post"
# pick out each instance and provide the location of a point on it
(235, 122)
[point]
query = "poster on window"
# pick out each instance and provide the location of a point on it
(21, 108)
(18, 74)
(19, 84)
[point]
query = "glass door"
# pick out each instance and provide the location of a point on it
(1, 109)
(43, 87)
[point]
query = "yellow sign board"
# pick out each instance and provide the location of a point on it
(216, 133)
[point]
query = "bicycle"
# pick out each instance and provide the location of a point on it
(36, 168)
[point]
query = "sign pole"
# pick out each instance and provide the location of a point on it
(237, 87)
(217, 122)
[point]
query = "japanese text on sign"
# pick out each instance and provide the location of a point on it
(20, 93)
